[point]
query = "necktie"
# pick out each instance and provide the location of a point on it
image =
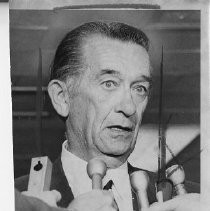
(108, 185)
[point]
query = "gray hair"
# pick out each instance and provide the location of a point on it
(68, 57)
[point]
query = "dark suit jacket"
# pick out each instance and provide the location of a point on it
(59, 182)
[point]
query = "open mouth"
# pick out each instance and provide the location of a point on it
(120, 128)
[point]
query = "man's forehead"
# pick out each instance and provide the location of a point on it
(125, 58)
(97, 40)
(98, 48)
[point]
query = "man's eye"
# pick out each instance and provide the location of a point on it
(109, 84)
(141, 90)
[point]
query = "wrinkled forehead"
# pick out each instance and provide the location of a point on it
(96, 41)
(105, 52)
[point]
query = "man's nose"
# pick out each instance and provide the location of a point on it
(126, 105)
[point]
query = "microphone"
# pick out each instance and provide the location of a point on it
(139, 182)
(96, 170)
(176, 174)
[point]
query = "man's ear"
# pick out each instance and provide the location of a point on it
(59, 96)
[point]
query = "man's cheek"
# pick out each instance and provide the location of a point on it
(139, 116)
(92, 121)
(141, 107)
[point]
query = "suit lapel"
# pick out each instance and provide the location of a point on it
(60, 183)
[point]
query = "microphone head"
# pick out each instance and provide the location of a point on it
(139, 180)
(176, 174)
(96, 166)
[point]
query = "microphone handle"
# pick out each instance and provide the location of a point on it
(180, 189)
(142, 199)
(96, 181)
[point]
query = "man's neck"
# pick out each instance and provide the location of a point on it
(76, 146)
(112, 162)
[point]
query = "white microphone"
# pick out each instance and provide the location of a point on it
(176, 174)
(96, 170)
(139, 182)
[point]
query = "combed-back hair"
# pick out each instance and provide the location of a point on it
(68, 57)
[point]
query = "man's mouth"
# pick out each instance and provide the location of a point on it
(120, 128)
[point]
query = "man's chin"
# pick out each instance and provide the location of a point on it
(116, 153)
(115, 149)
(115, 160)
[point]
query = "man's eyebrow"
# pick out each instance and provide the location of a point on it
(144, 78)
(108, 72)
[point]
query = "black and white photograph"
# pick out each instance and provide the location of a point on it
(109, 110)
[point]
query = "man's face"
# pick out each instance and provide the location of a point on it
(106, 111)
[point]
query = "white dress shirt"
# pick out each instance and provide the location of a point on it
(76, 174)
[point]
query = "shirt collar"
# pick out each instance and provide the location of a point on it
(75, 169)
(76, 174)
